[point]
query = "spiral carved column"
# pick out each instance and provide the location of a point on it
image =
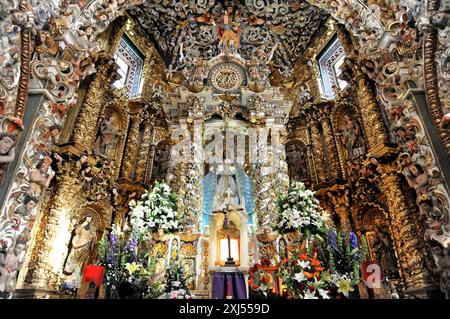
(49, 259)
(407, 241)
(370, 112)
(144, 149)
(132, 145)
(86, 125)
(317, 148)
(330, 143)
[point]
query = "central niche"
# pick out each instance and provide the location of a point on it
(227, 77)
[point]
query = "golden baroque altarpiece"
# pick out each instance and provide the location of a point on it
(376, 153)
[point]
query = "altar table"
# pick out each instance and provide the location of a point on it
(228, 284)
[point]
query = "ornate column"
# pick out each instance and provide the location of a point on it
(91, 108)
(282, 171)
(194, 177)
(370, 111)
(408, 243)
(50, 251)
(317, 147)
(330, 144)
(261, 172)
(132, 142)
(144, 148)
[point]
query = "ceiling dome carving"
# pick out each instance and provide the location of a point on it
(185, 30)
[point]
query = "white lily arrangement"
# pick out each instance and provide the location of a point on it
(299, 210)
(156, 209)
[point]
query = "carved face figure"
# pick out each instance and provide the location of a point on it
(29, 206)
(18, 249)
(44, 167)
(413, 169)
(6, 143)
(54, 132)
(20, 18)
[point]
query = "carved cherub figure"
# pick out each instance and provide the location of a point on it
(417, 179)
(39, 177)
(9, 265)
(7, 149)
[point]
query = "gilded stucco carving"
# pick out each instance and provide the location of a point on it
(389, 52)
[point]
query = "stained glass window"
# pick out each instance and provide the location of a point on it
(330, 59)
(131, 64)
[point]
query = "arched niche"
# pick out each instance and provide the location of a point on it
(372, 220)
(350, 134)
(296, 158)
(111, 131)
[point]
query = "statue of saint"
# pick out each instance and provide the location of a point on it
(161, 162)
(227, 190)
(81, 247)
(106, 137)
(228, 31)
(295, 157)
(383, 250)
(352, 138)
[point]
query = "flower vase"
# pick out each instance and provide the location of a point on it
(293, 235)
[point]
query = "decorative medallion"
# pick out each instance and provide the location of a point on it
(227, 77)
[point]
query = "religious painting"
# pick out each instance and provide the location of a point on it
(161, 161)
(107, 135)
(297, 161)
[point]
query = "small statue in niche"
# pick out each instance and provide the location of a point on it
(106, 136)
(161, 161)
(384, 253)
(40, 177)
(7, 149)
(9, 266)
(295, 157)
(81, 247)
(352, 138)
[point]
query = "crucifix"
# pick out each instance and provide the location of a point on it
(227, 226)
